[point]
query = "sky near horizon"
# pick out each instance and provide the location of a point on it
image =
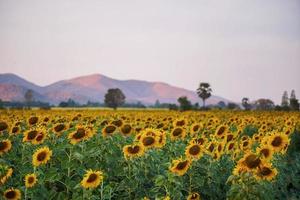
(248, 48)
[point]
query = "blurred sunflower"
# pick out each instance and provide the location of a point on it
(92, 179)
(193, 151)
(109, 130)
(126, 129)
(177, 133)
(221, 131)
(135, 150)
(41, 156)
(266, 172)
(195, 129)
(82, 133)
(5, 173)
(12, 194)
(250, 161)
(278, 141)
(3, 126)
(194, 196)
(59, 128)
(30, 180)
(5, 146)
(33, 120)
(180, 166)
(30, 135)
(40, 137)
(148, 141)
(266, 152)
(15, 130)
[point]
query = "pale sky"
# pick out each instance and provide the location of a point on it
(243, 48)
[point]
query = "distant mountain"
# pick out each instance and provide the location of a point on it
(93, 88)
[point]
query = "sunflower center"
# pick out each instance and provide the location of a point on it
(10, 195)
(221, 130)
(3, 126)
(177, 132)
(200, 141)
(194, 150)
(41, 156)
(39, 137)
(30, 179)
(92, 178)
(252, 161)
(3, 146)
(110, 129)
(277, 141)
(15, 129)
(231, 145)
(126, 129)
(117, 123)
(180, 123)
(265, 152)
(229, 137)
(80, 133)
(181, 165)
(194, 196)
(134, 149)
(32, 135)
(196, 128)
(147, 141)
(245, 144)
(33, 120)
(211, 148)
(265, 171)
(59, 127)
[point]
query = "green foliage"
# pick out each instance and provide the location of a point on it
(114, 98)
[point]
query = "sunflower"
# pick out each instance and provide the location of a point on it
(195, 128)
(41, 156)
(109, 130)
(177, 133)
(135, 150)
(161, 140)
(266, 152)
(59, 128)
(230, 146)
(33, 120)
(92, 179)
(12, 194)
(180, 122)
(194, 196)
(30, 180)
(117, 123)
(251, 161)
(180, 166)
(201, 141)
(221, 131)
(3, 126)
(15, 130)
(5, 146)
(278, 141)
(126, 129)
(30, 135)
(193, 151)
(148, 141)
(5, 173)
(80, 134)
(40, 137)
(266, 171)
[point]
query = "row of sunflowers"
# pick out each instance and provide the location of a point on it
(90, 154)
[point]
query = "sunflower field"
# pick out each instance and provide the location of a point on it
(94, 154)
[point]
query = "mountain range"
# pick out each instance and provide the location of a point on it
(93, 88)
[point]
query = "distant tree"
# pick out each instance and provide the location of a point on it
(114, 98)
(204, 92)
(264, 104)
(184, 103)
(28, 97)
(232, 106)
(246, 104)
(196, 106)
(1, 104)
(221, 104)
(173, 107)
(294, 103)
(285, 99)
(157, 104)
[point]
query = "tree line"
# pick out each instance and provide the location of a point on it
(115, 98)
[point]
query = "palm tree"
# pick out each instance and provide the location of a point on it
(204, 92)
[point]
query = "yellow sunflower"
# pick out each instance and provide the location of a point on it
(278, 141)
(135, 150)
(221, 131)
(195, 129)
(41, 156)
(92, 179)
(193, 151)
(148, 141)
(30, 135)
(59, 128)
(33, 120)
(178, 133)
(5, 173)
(194, 196)
(266, 172)
(5, 146)
(12, 194)
(40, 137)
(180, 166)
(109, 130)
(266, 152)
(80, 134)
(30, 180)
(3, 126)
(126, 129)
